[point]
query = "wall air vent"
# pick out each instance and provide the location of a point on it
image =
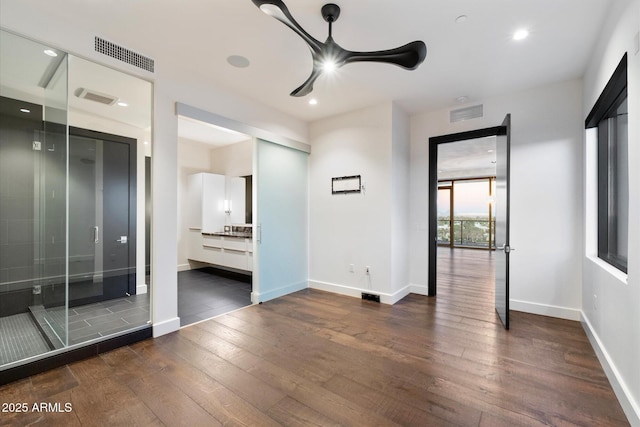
(123, 54)
(466, 113)
(92, 95)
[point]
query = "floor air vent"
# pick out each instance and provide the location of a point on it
(370, 297)
(123, 54)
(466, 113)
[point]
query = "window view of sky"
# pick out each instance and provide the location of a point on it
(471, 199)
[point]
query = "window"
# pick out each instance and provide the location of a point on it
(465, 217)
(610, 116)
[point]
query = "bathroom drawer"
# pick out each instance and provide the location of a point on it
(235, 244)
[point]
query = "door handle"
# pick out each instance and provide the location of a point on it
(122, 239)
(96, 234)
(506, 248)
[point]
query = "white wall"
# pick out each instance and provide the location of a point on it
(356, 228)
(233, 160)
(353, 228)
(546, 197)
(193, 157)
(169, 88)
(400, 202)
(611, 301)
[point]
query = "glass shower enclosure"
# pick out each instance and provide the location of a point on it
(68, 207)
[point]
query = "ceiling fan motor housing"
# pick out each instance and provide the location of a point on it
(330, 12)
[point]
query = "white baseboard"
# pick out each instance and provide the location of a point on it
(630, 407)
(545, 309)
(184, 267)
(275, 293)
(141, 289)
(385, 298)
(166, 327)
(419, 289)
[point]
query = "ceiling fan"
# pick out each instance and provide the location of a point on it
(329, 55)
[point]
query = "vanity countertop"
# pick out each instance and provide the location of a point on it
(239, 234)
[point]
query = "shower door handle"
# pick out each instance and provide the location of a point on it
(96, 234)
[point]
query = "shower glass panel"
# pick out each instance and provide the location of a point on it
(33, 152)
(72, 187)
(51, 311)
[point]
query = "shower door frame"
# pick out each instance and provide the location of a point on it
(132, 211)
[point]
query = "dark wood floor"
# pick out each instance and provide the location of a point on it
(318, 359)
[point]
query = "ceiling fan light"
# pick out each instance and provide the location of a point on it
(329, 65)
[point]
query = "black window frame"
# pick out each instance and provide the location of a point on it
(611, 98)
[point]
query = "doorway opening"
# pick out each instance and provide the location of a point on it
(275, 247)
(215, 235)
(468, 174)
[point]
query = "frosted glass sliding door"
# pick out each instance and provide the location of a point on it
(282, 225)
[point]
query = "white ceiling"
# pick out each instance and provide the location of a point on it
(191, 41)
(471, 158)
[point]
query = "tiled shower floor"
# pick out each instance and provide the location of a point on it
(201, 294)
(20, 337)
(95, 320)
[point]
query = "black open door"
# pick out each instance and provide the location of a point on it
(501, 200)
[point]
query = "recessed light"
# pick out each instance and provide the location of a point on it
(238, 61)
(51, 53)
(489, 151)
(25, 110)
(461, 19)
(521, 34)
(146, 143)
(122, 104)
(313, 101)
(462, 99)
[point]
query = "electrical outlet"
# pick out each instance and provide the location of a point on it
(595, 301)
(37, 290)
(352, 268)
(367, 270)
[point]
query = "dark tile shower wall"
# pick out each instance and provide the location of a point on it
(17, 206)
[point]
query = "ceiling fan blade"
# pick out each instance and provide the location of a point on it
(307, 86)
(278, 10)
(409, 56)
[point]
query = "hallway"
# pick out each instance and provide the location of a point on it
(465, 282)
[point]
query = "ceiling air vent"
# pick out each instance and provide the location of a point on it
(123, 54)
(91, 95)
(466, 113)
